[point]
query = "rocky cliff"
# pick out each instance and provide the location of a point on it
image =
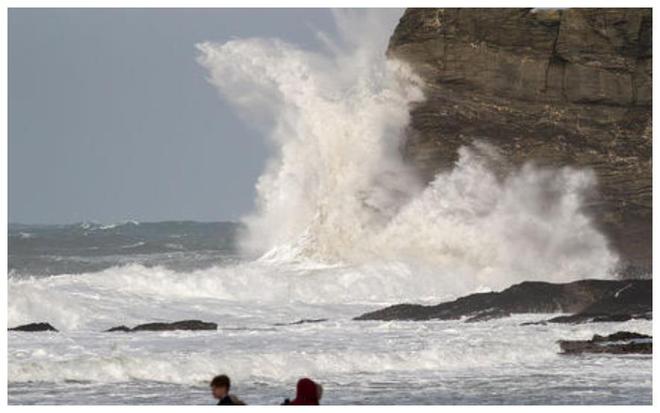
(565, 87)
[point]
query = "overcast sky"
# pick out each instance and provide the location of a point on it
(111, 118)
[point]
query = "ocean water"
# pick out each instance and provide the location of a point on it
(342, 225)
(358, 362)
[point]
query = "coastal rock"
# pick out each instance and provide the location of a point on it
(303, 321)
(632, 301)
(34, 327)
(568, 87)
(118, 328)
(177, 325)
(607, 297)
(488, 314)
(622, 342)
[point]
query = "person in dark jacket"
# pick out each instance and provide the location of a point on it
(220, 386)
(307, 393)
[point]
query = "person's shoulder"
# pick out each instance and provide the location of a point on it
(225, 401)
(236, 401)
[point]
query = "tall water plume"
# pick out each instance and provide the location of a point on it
(337, 190)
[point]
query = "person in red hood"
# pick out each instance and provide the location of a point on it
(307, 393)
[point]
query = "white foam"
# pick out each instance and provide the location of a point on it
(134, 293)
(282, 355)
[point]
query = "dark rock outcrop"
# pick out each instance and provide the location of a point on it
(622, 342)
(121, 328)
(177, 325)
(603, 297)
(303, 321)
(632, 301)
(34, 327)
(565, 87)
(488, 314)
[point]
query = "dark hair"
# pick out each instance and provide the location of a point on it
(221, 381)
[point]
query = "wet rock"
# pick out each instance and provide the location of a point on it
(534, 323)
(602, 318)
(177, 325)
(622, 317)
(568, 87)
(488, 314)
(632, 301)
(34, 327)
(609, 297)
(623, 342)
(118, 328)
(303, 321)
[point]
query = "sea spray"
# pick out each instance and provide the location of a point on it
(336, 123)
(337, 190)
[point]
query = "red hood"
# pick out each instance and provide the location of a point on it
(306, 393)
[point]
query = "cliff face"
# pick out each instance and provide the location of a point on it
(558, 87)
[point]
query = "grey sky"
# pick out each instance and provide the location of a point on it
(111, 118)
